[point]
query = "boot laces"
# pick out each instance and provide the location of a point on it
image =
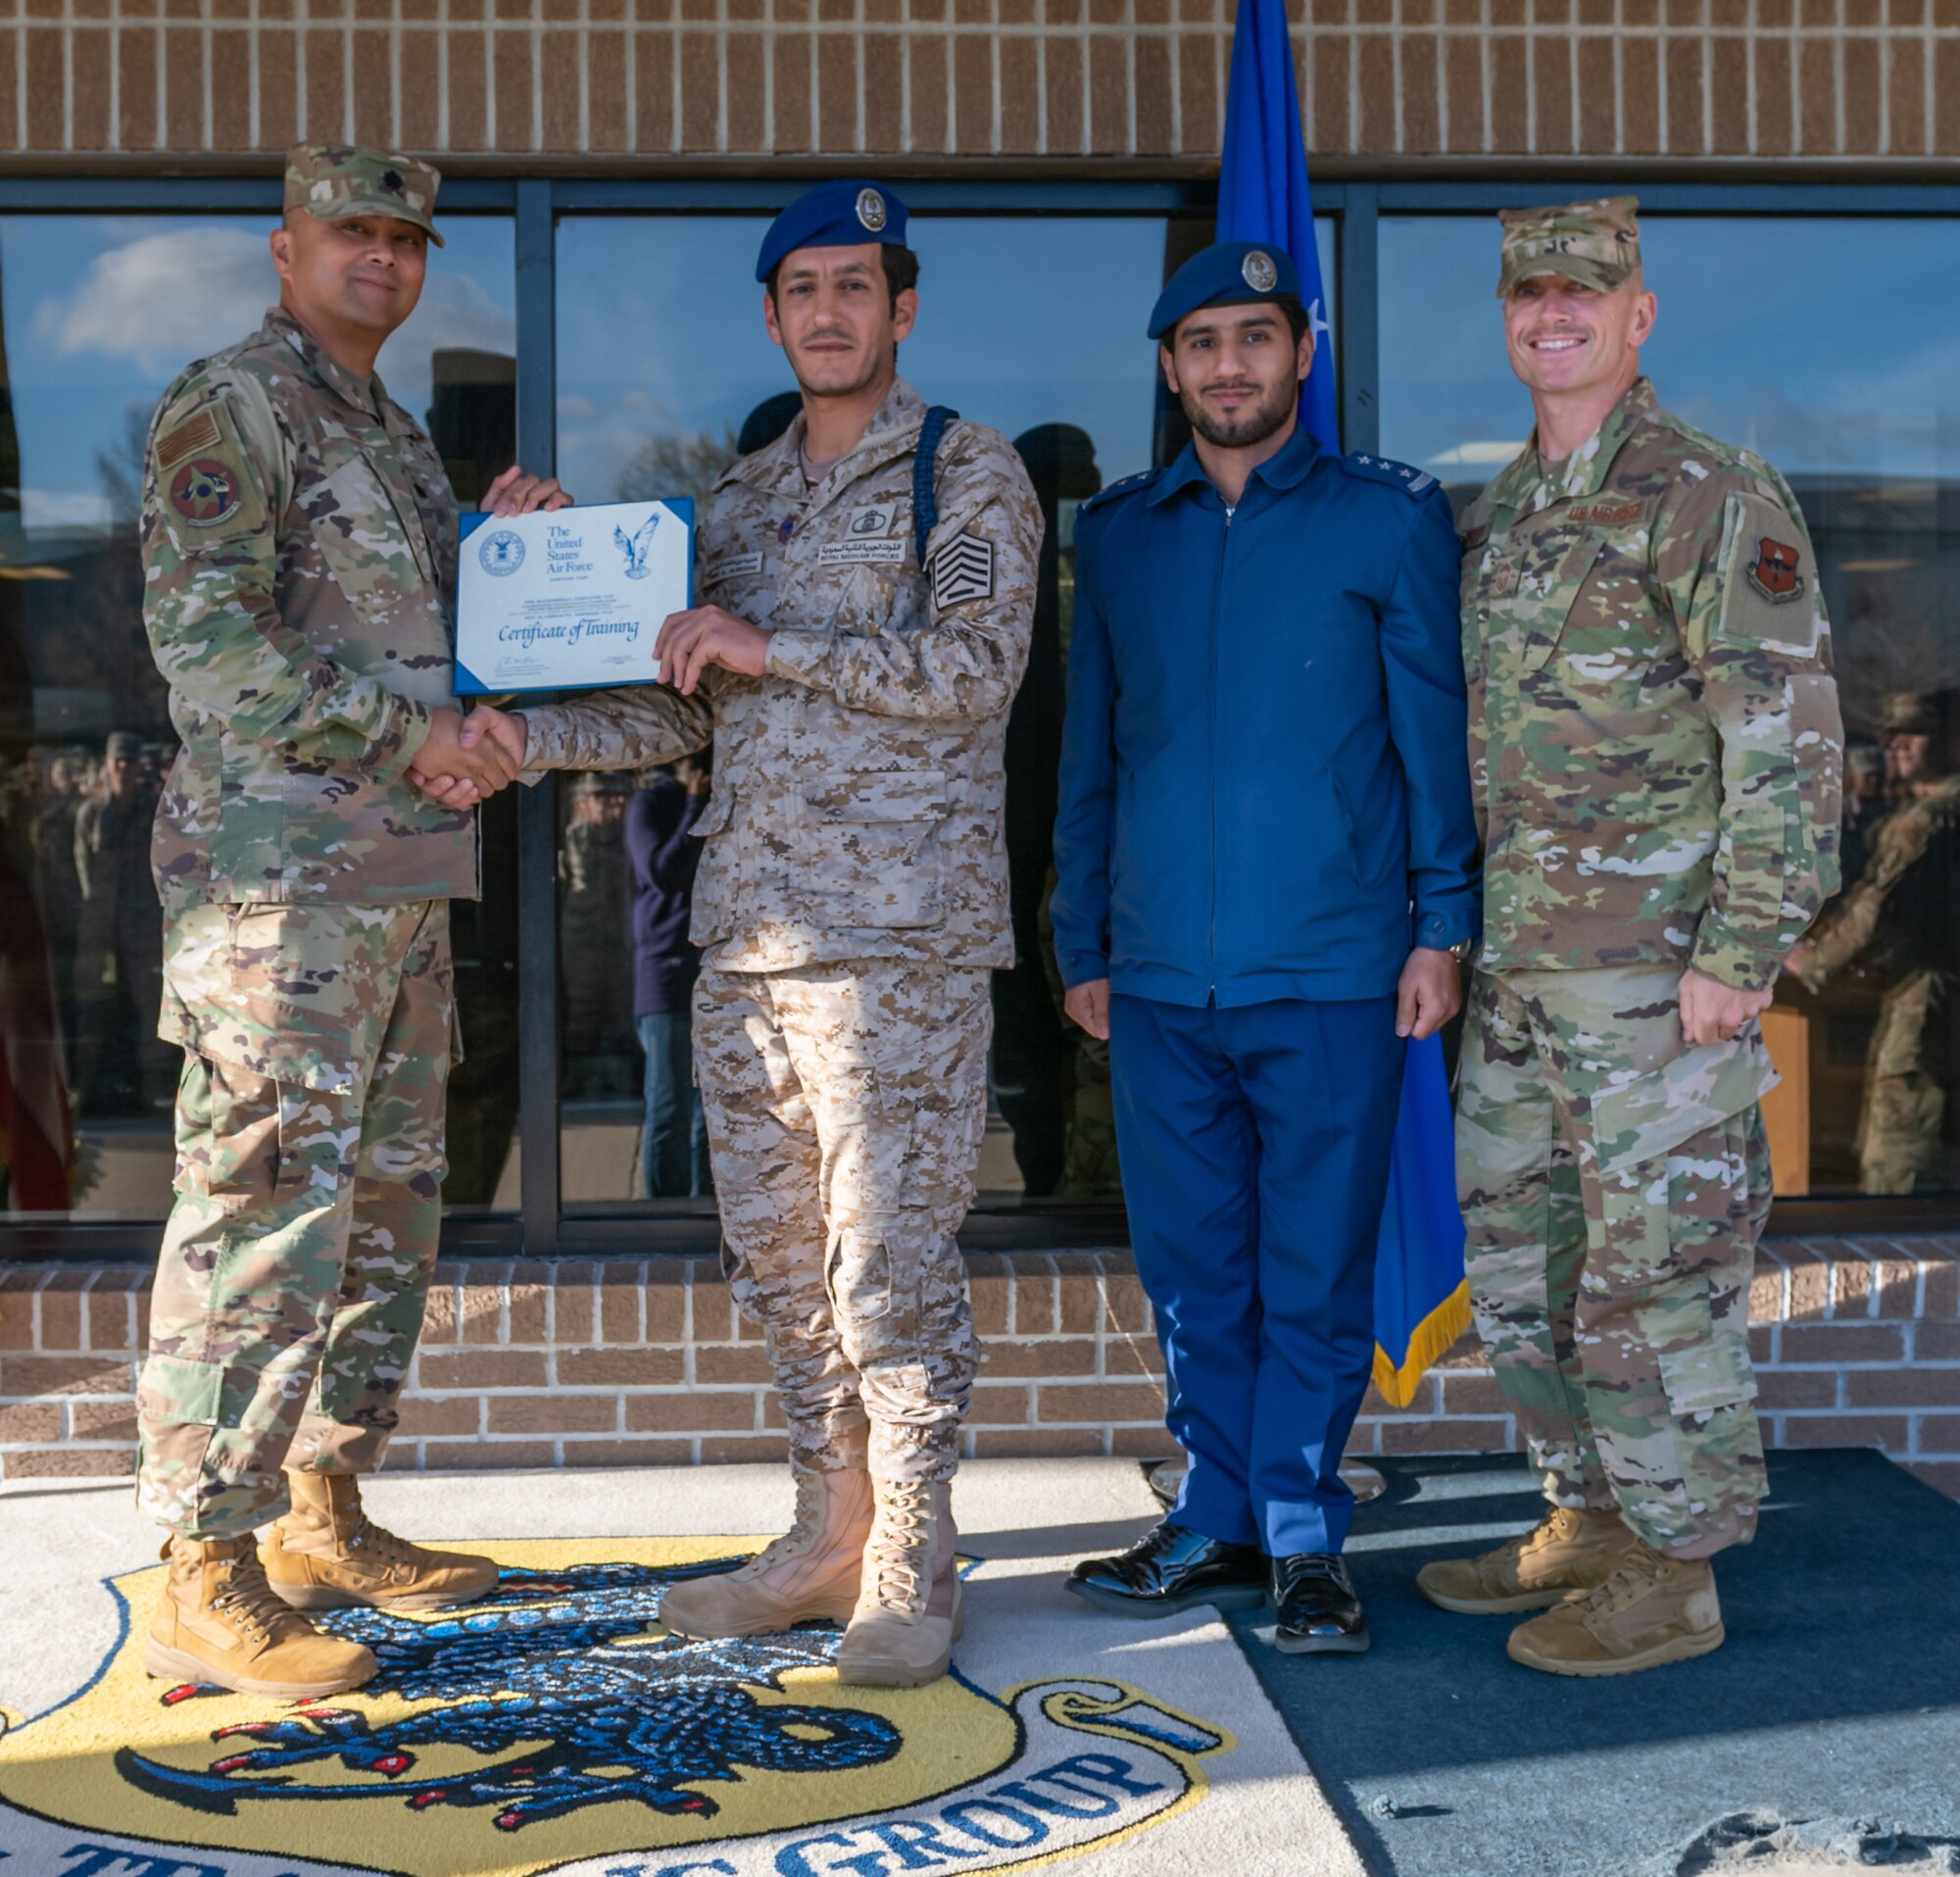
(901, 1544)
(1633, 1579)
(249, 1602)
(800, 1537)
(381, 1546)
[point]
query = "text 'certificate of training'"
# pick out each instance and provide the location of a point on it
(570, 599)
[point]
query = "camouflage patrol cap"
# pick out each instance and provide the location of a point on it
(332, 181)
(1595, 244)
(1915, 713)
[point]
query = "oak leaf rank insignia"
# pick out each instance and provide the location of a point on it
(961, 570)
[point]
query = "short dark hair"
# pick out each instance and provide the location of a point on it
(901, 265)
(1296, 318)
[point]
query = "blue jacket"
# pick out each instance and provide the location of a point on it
(1266, 789)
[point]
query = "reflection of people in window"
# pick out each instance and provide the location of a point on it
(660, 820)
(120, 943)
(592, 861)
(1899, 923)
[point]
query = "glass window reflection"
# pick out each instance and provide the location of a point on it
(1869, 436)
(96, 316)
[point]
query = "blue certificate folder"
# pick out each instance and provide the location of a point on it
(571, 599)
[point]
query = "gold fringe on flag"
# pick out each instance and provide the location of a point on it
(1429, 1344)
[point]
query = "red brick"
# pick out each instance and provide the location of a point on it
(884, 91)
(620, 1367)
(1034, 1303)
(1774, 63)
(26, 1421)
(1473, 1395)
(1422, 123)
(1126, 1307)
(1463, 89)
(64, 1375)
(1198, 94)
(1330, 58)
(619, 1284)
(1109, 86)
(530, 1283)
(628, 1452)
(1817, 97)
(1938, 1434)
(493, 1454)
(1034, 1443)
(669, 1285)
(836, 91)
(482, 1368)
(1098, 1402)
(730, 1410)
(1942, 1475)
(70, 1462)
(1142, 1443)
(1079, 1293)
(1511, 124)
(745, 53)
(789, 55)
(573, 1314)
(652, 87)
(60, 1312)
(481, 1309)
(1853, 1283)
(1886, 1431)
(554, 1413)
(1052, 1357)
(1942, 1275)
(514, 90)
(999, 1405)
(1809, 1282)
(1131, 1356)
(1061, 60)
(988, 1284)
(89, 55)
(439, 1312)
(1796, 1388)
(423, 1418)
(747, 1363)
(1811, 1343)
(1902, 1388)
(17, 1309)
(1936, 1342)
(722, 1450)
(931, 123)
(1639, 93)
(103, 1420)
(1446, 1437)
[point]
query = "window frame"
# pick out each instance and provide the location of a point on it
(540, 1229)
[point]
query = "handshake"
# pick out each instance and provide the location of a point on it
(466, 758)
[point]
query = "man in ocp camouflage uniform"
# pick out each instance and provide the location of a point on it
(851, 904)
(1655, 749)
(299, 541)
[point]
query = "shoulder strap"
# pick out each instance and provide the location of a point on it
(925, 501)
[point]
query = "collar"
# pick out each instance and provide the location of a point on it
(1584, 473)
(1285, 468)
(365, 394)
(777, 467)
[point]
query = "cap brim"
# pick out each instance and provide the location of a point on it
(376, 205)
(1602, 276)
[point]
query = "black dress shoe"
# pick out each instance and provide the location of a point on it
(1170, 1569)
(1319, 1614)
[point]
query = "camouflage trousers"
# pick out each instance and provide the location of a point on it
(309, 1165)
(1614, 1183)
(844, 1107)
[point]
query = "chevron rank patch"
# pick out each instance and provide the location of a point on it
(961, 570)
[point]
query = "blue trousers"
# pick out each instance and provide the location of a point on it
(1255, 1146)
(673, 1135)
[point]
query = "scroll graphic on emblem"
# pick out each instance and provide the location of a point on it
(1773, 572)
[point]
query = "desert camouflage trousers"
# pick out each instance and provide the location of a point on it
(844, 1107)
(309, 1165)
(1614, 1183)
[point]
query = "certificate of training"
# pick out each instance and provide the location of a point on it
(570, 599)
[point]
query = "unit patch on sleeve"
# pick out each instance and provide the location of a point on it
(961, 570)
(206, 492)
(1773, 572)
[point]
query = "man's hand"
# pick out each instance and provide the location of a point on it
(705, 636)
(463, 759)
(1711, 1012)
(1430, 994)
(1089, 1005)
(1798, 958)
(516, 493)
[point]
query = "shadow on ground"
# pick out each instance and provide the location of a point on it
(1837, 1695)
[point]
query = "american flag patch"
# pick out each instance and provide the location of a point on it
(194, 434)
(961, 570)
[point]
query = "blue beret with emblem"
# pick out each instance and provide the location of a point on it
(833, 215)
(1227, 273)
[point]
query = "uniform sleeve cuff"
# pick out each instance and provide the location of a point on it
(393, 752)
(1739, 965)
(544, 744)
(1082, 967)
(804, 657)
(1439, 931)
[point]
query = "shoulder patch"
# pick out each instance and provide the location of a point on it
(962, 570)
(204, 487)
(1398, 475)
(198, 432)
(1127, 485)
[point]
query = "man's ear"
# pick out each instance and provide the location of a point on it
(771, 323)
(281, 243)
(1306, 352)
(1169, 365)
(904, 314)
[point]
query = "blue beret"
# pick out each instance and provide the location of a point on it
(1226, 274)
(833, 215)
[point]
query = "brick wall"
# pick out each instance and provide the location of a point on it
(926, 78)
(645, 1362)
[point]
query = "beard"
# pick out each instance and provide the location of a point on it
(1249, 426)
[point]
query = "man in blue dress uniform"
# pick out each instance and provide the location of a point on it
(1268, 879)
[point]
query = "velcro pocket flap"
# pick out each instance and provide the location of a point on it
(1698, 1089)
(882, 795)
(174, 1389)
(1710, 1372)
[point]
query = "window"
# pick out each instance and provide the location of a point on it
(1866, 427)
(98, 315)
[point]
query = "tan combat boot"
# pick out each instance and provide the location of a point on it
(327, 1554)
(1570, 1550)
(1653, 1610)
(810, 1572)
(909, 1612)
(218, 1622)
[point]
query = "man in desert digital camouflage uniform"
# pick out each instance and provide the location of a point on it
(1655, 749)
(851, 904)
(299, 541)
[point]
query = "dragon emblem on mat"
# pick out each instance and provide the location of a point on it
(565, 1676)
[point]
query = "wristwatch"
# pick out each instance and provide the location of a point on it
(1463, 951)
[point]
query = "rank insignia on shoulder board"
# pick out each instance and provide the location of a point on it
(962, 570)
(1773, 572)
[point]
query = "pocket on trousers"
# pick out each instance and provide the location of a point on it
(229, 1149)
(857, 1274)
(173, 1391)
(1711, 1373)
(1699, 1089)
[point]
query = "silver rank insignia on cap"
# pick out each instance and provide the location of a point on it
(1260, 273)
(871, 209)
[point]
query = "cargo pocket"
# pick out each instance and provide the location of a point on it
(229, 1151)
(870, 848)
(858, 1275)
(1710, 1373)
(173, 1391)
(712, 918)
